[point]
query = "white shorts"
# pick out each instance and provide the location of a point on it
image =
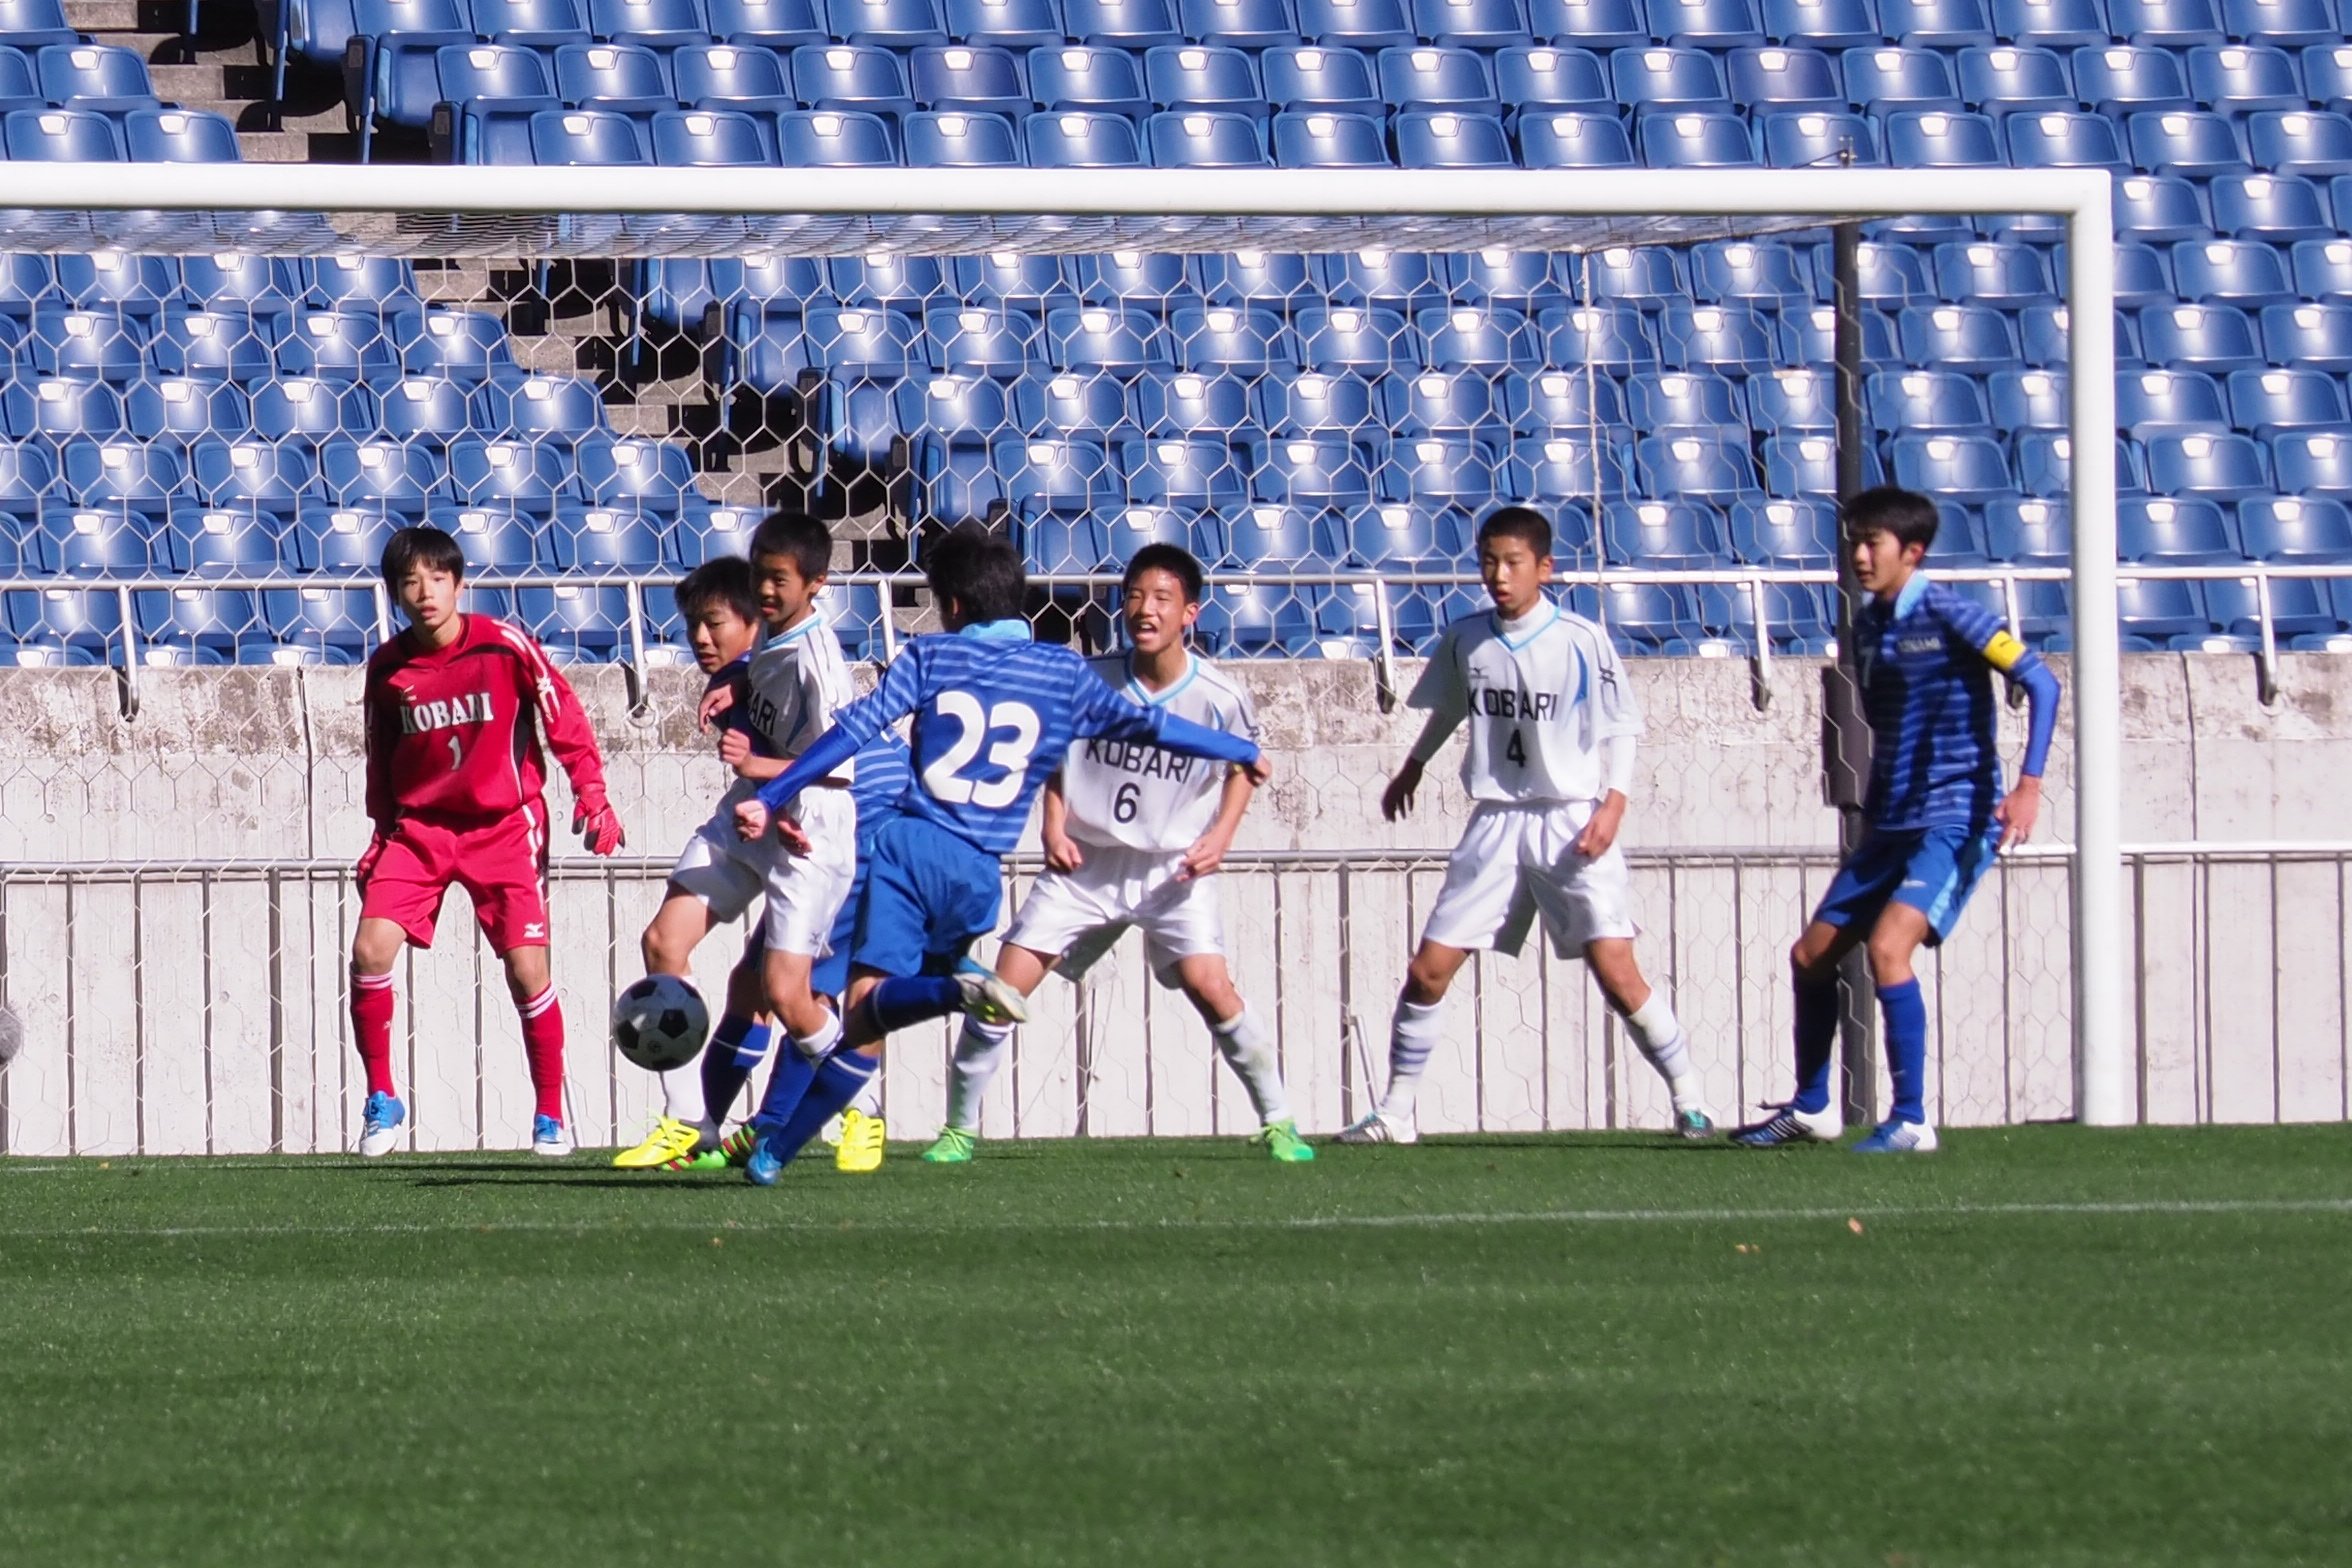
(1080, 915)
(1515, 862)
(804, 892)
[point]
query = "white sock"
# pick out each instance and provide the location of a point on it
(1248, 1048)
(682, 1094)
(1661, 1039)
(1412, 1035)
(816, 1047)
(979, 1051)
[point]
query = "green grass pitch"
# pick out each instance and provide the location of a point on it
(2042, 1346)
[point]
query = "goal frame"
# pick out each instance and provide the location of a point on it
(1580, 209)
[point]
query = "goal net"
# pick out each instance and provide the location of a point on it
(235, 381)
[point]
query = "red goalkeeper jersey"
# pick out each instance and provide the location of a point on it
(453, 733)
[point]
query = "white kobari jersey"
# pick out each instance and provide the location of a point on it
(1541, 695)
(795, 682)
(1120, 792)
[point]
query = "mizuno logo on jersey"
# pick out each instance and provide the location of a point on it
(421, 718)
(1134, 757)
(1502, 702)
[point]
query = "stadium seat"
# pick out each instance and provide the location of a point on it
(1959, 467)
(2289, 22)
(60, 406)
(2312, 463)
(1446, 140)
(2271, 400)
(1805, 465)
(982, 340)
(1707, 24)
(662, 25)
(2166, 24)
(1031, 283)
(1712, 465)
(1786, 533)
(1469, 338)
(2003, 80)
(180, 408)
(1238, 24)
(2050, 22)
(2044, 459)
(1649, 617)
(2191, 532)
(1312, 78)
(1664, 534)
(471, 346)
(1341, 339)
(1069, 139)
(1539, 76)
(2231, 272)
(710, 139)
(1132, 278)
(1565, 467)
(1986, 272)
(1408, 279)
(1661, 77)
(1060, 479)
(1438, 403)
(1885, 77)
(2327, 78)
(2240, 78)
(1202, 139)
(2160, 609)
(1219, 337)
(1437, 79)
(2201, 337)
(2054, 139)
(654, 474)
(1808, 336)
(2116, 79)
(2155, 208)
(1133, 25)
(1655, 402)
(1200, 472)
(2315, 336)
(1958, 337)
(1791, 402)
(115, 282)
(1733, 339)
(430, 410)
(2157, 402)
(858, 77)
(1696, 139)
(226, 541)
(890, 24)
(1099, 338)
(2269, 207)
(173, 135)
(1001, 24)
(1197, 76)
(1758, 272)
(1276, 537)
(407, 477)
(532, 475)
(1606, 337)
(1573, 139)
(1524, 280)
(1940, 139)
(1771, 78)
(830, 139)
(2028, 400)
(1938, 401)
(1544, 401)
(1188, 404)
(969, 80)
(552, 407)
(1356, 24)
(625, 78)
(955, 139)
(533, 25)
(1805, 139)
(98, 540)
(1324, 470)
(108, 344)
(1089, 78)
(2296, 530)
(1588, 24)
(958, 410)
(2222, 466)
(587, 138)
(2285, 141)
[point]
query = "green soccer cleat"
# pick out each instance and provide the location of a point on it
(1281, 1141)
(954, 1147)
(711, 1159)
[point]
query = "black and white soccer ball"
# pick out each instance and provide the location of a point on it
(660, 1022)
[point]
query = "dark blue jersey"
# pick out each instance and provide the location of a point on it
(1926, 664)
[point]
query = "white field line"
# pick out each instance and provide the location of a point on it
(837, 1224)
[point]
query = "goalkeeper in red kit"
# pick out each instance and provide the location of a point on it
(455, 708)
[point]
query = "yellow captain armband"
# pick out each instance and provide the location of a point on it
(2002, 651)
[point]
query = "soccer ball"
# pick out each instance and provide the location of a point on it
(660, 1022)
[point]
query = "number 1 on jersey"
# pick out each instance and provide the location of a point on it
(456, 754)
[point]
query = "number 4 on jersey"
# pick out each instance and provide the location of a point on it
(1515, 749)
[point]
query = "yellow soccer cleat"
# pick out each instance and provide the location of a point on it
(860, 1152)
(671, 1139)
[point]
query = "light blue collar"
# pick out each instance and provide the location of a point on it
(778, 639)
(1537, 624)
(1011, 629)
(1153, 699)
(1913, 591)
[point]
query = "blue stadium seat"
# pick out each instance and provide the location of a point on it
(1222, 337)
(1469, 338)
(2275, 208)
(532, 475)
(1088, 77)
(982, 340)
(275, 476)
(1664, 534)
(1524, 280)
(1146, 278)
(655, 474)
(1345, 338)
(1823, 24)
(1938, 401)
(2240, 78)
(2117, 79)
(1200, 472)
(1574, 139)
(1696, 139)
(1188, 528)
(498, 541)
(113, 281)
(1940, 139)
(2001, 80)
(960, 480)
(471, 346)
(2166, 24)
(1959, 467)
(28, 472)
(657, 24)
(1239, 24)
(1094, 337)
(556, 407)
(2222, 466)
(1048, 478)
(182, 408)
(1274, 537)
(1661, 77)
(1707, 24)
(1779, 78)
(1728, 338)
(2289, 22)
(93, 76)
(1759, 272)
(2158, 208)
(1205, 139)
(226, 541)
(534, 25)
(970, 80)
(1313, 77)
(1885, 77)
(1986, 272)
(1806, 139)
(2055, 139)
(1958, 337)
(2044, 458)
(1605, 336)
(893, 24)
(1446, 140)
(1650, 617)
(2272, 400)
(1329, 140)
(2050, 22)
(709, 139)
(173, 135)
(230, 343)
(1441, 403)
(2167, 612)
(962, 410)
(1588, 24)
(957, 139)
(587, 138)
(1808, 335)
(2316, 336)
(2284, 141)
(2310, 462)
(342, 346)
(30, 24)
(466, 75)
(859, 77)
(2174, 532)
(66, 341)
(575, 621)
(2245, 273)
(1030, 283)
(1433, 78)
(861, 341)
(2155, 402)
(429, 410)
(2296, 530)
(624, 78)
(1003, 24)
(401, 476)
(1565, 466)
(1471, 24)
(60, 406)
(1540, 76)
(1796, 617)
(1441, 471)
(1696, 464)
(2185, 141)
(1785, 533)
(2327, 78)
(1544, 401)
(1356, 24)
(1188, 404)
(1318, 470)
(1254, 277)
(1655, 402)
(2028, 400)
(1076, 139)
(2200, 337)
(1204, 76)
(1805, 464)
(1889, 274)
(2029, 532)
(1792, 402)
(1134, 25)
(101, 537)
(830, 139)
(351, 280)
(199, 626)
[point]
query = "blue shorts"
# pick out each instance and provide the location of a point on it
(928, 897)
(1931, 869)
(830, 975)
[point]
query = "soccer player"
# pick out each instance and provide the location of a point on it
(994, 714)
(1549, 763)
(1934, 810)
(789, 693)
(1132, 836)
(455, 706)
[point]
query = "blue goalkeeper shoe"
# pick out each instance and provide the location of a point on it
(380, 1123)
(765, 1164)
(1892, 1137)
(1788, 1125)
(549, 1140)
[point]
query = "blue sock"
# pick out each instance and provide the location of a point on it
(786, 1086)
(903, 1003)
(1906, 1047)
(735, 1048)
(835, 1082)
(1817, 1032)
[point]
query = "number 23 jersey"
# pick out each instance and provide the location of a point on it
(1141, 796)
(1541, 694)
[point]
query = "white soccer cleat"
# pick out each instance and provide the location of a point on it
(380, 1124)
(550, 1139)
(989, 999)
(1380, 1128)
(1899, 1138)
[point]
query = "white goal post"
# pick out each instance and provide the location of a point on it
(524, 212)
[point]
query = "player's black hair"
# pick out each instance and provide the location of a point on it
(427, 547)
(799, 538)
(1173, 559)
(721, 580)
(1523, 523)
(980, 571)
(1908, 515)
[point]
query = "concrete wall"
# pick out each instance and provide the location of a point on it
(173, 1010)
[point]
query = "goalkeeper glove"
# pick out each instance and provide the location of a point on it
(599, 828)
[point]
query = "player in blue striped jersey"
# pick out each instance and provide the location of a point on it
(993, 715)
(1936, 814)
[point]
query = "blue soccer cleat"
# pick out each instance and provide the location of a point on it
(765, 1164)
(549, 1140)
(1893, 1137)
(380, 1123)
(1789, 1125)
